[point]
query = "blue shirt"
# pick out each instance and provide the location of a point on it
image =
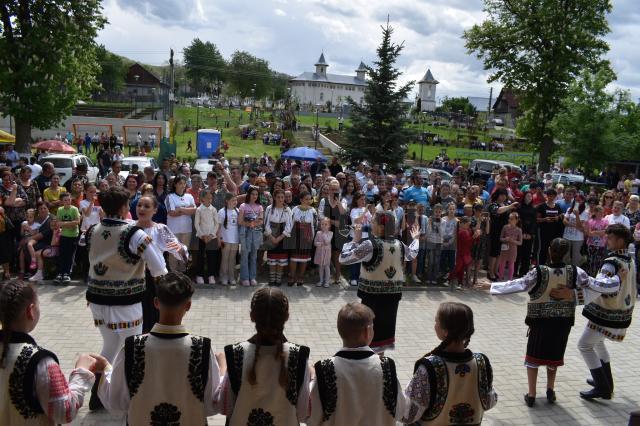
(419, 194)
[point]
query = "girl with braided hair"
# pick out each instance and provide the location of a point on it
(33, 389)
(382, 259)
(267, 379)
(451, 385)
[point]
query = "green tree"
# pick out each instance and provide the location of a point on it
(47, 60)
(113, 70)
(204, 65)
(625, 127)
(584, 127)
(456, 105)
(377, 132)
(247, 72)
(538, 47)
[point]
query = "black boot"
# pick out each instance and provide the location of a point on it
(601, 389)
(94, 402)
(607, 371)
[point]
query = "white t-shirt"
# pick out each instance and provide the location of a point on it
(620, 219)
(355, 213)
(179, 224)
(92, 219)
(230, 233)
(571, 233)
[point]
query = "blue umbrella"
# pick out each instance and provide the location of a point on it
(303, 153)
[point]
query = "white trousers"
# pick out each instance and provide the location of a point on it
(113, 341)
(591, 346)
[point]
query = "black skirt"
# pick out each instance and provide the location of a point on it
(385, 308)
(546, 345)
(150, 315)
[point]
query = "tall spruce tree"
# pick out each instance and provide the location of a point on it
(378, 132)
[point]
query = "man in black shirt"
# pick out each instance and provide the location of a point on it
(43, 180)
(334, 168)
(549, 218)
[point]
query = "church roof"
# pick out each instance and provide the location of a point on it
(321, 60)
(361, 67)
(428, 78)
(330, 78)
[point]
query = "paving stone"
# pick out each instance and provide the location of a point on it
(66, 327)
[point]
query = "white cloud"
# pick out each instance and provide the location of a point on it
(347, 32)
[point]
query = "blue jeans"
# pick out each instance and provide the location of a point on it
(250, 242)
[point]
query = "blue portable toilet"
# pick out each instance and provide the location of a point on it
(207, 142)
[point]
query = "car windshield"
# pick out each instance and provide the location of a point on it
(126, 164)
(58, 163)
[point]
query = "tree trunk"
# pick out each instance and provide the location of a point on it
(546, 149)
(23, 136)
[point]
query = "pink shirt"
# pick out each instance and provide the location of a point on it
(597, 225)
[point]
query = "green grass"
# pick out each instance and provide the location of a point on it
(430, 152)
(310, 121)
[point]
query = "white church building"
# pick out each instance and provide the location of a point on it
(427, 92)
(320, 87)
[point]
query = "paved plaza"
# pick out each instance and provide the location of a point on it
(66, 328)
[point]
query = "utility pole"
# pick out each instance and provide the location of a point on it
(172, 76)
(489, 106)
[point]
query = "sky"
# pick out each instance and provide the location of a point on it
(291, 34)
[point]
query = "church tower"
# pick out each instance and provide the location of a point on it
(427, 95)
(361, 71)
(321, 66)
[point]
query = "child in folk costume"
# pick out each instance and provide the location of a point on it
(33, 388)
(118, 255)
(322, 257)
(382, 273)
(462, 271)
(267, 379)
(277, 227)
(609, 310)
(206, 225)
(168, 376)
(355, 386)
(549, 320)
(510, 239)
(300, 244)
(451, 385)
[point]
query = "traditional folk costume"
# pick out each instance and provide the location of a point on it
(118, 254)
(609, 309)
(381, 280)
(278, 221)
(300, 244)
(34, 389)
(549, 320)
(450, 388)
(356, 387)
(165, 377)
(166, 242)
(266, 402)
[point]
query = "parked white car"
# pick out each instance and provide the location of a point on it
(65, 164)
(142, 162)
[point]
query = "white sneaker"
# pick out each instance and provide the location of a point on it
(224, 281)
(415, 279)
(319, 284)
(353, 283)
(212, 280)
(326, 285)
(232, 282)
(36, 277)
(254, 282)
(199, 280)
(245, 283)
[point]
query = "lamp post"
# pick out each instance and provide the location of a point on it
(153, 103)
(423, 113)
(198, 116)
(315, 141)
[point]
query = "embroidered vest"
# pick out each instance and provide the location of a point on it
(20, 405)
(166, 376)
(541, 307)
(266, 402)
(615, 310)
(116, 276)
(460, 389)
(384, 273)
(358, 388)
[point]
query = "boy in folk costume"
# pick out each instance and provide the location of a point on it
(381, 273)
(118, 253)
(356, 386)
(167, 376)
(549, 320)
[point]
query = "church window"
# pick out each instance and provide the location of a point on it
(321, 96)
